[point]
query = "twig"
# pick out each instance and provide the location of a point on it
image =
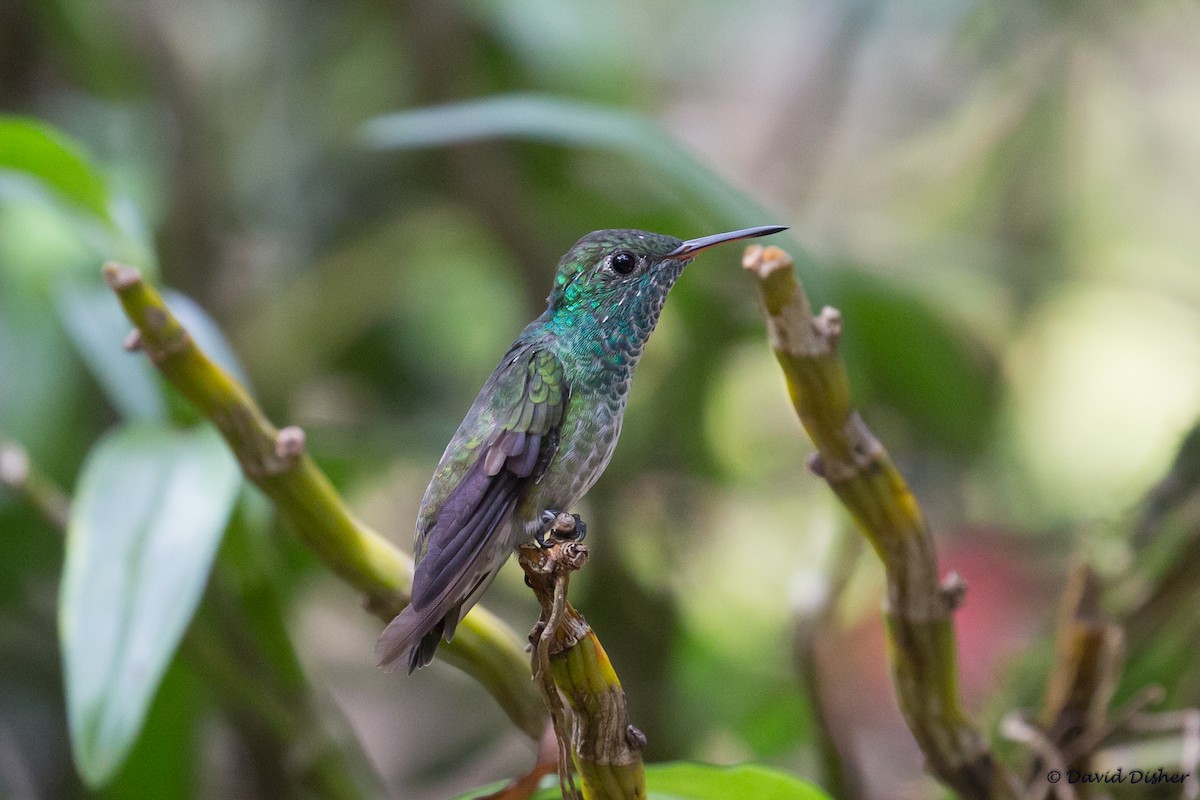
(1118, 723)
(568, 659)
(275, 461)
(1087, 667)
(919, 614)
(1181, 482)
(1018, 729)
(840, 770)
(1155, 602)
(19, 475)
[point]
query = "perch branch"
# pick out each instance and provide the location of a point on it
(276, 462)
(567, 658)
(919, 610)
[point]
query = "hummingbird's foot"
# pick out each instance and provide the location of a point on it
(561, 526)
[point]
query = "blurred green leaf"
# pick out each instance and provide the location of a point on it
(148, 516)
(940, 376)
(38, 162)
(39, 381)
(166, 754)
(573, 123)
(31, 149)
(688, 781)
(681, 780)
(97, 326)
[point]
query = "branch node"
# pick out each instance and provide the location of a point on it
(121, 277)
(564, 524)
(634, 737)
(133, 342)
(765, 261)
(954, 590)
(156, 318)
(14, 465)
(828, 325)
(289, 443)
(816, 465)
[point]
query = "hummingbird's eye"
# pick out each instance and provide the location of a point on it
(623, 262)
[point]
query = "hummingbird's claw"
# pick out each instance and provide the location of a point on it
(561, 526)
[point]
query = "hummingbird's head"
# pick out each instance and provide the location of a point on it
(628, 270)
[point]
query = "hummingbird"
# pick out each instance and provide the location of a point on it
(542, 429)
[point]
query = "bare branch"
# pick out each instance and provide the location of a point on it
(568, 658)
(856, 466)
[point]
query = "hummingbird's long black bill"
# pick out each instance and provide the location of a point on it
(692, 246)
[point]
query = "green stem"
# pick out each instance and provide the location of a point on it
(484, 647)
(919, 614)
(21, 476)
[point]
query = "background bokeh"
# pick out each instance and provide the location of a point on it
(1001, 198)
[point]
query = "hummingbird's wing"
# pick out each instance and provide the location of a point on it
(503, 444)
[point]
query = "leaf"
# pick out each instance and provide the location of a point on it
(572, 123)
(686, 781)
(561, 121)
(166, 754)
(38, 151)
(37, 162)
(941, 376)
(149, 512)
(682, 780)
(97, 326)
(39, 386)
(93, 318)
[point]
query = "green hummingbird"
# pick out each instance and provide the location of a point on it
(542, 429)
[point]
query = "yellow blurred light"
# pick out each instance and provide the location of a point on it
(1105, 381)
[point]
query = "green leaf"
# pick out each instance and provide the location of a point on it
(941, 376)
(686, 781)
(39, 163)
(149, 512)
(37, 151)
(169, 748)
(573, 123)
(39, 382)
(97, 325)
(681, 780)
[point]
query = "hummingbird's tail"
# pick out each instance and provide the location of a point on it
(468, 543)
(417, 632)
(414, 634)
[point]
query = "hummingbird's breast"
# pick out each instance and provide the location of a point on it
(599, 352)
(587, 439)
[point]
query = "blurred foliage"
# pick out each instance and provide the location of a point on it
(701, 782)
(369, 198)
